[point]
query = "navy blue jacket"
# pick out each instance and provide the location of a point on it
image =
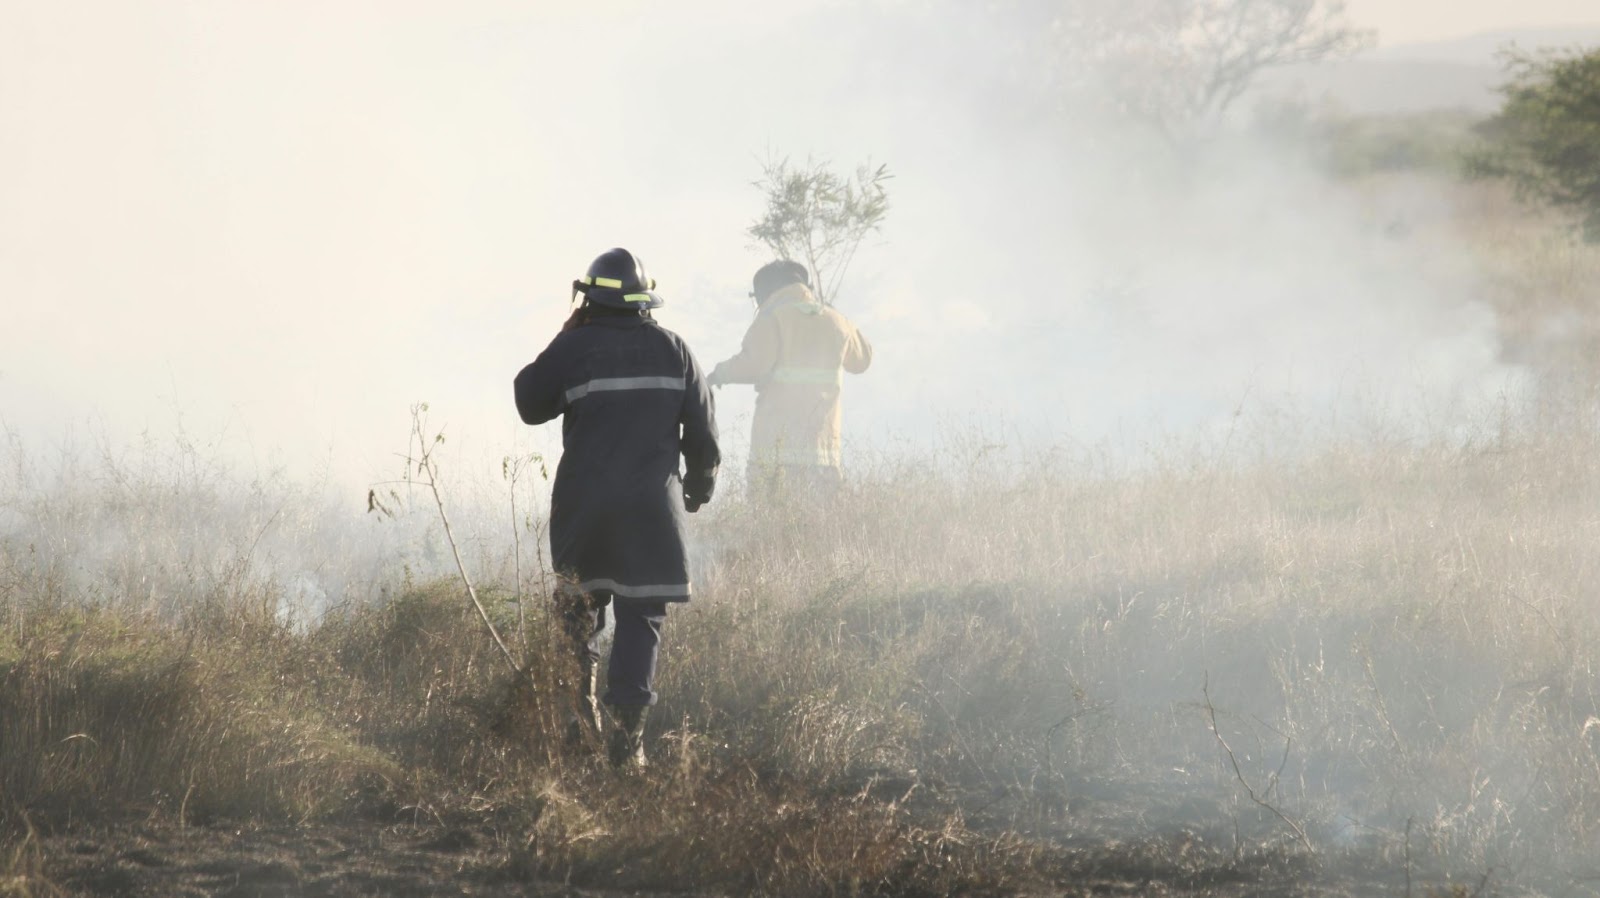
(632, 399)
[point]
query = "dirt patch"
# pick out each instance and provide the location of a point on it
(252, 860)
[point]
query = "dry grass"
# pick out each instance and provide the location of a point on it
(932, 688)
(106, 710)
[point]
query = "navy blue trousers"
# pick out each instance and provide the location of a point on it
(631, 669)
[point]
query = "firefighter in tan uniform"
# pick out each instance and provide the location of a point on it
(795, 354)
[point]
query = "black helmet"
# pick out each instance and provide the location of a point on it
(616, 279)
(774, 276)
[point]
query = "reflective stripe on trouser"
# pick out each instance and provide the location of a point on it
(635, 646)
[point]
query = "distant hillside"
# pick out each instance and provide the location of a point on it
(1481, 49)
(1456, 74)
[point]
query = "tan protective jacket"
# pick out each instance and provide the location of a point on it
(794, 354)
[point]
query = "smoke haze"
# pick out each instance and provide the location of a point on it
(261, 233)
(279, 229)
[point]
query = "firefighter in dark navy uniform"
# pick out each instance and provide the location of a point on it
(632, 400)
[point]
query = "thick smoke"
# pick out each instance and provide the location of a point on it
(282, 230)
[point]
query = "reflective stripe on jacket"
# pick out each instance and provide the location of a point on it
(795, 353)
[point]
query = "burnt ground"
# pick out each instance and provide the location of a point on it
(254, 860)
(1104, 844)
(372, 859)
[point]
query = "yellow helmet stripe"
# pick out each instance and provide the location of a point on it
(613, 283)
(636, 297)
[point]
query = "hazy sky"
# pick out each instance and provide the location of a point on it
(278, 225)
(1405, 21)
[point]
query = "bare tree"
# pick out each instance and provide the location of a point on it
(817, 216)
(1178, 65)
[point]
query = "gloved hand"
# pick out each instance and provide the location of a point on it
(697, 488)
(715, 377)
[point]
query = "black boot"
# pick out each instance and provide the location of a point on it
(585, 726)
(627, 740)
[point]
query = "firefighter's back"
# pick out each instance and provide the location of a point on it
(623, 388)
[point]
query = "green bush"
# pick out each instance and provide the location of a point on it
(1546, 137)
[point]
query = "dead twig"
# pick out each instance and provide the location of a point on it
(1211, 714)
(427, 468)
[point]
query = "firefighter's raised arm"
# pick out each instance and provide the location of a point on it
(756, 358)
(539, 386)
